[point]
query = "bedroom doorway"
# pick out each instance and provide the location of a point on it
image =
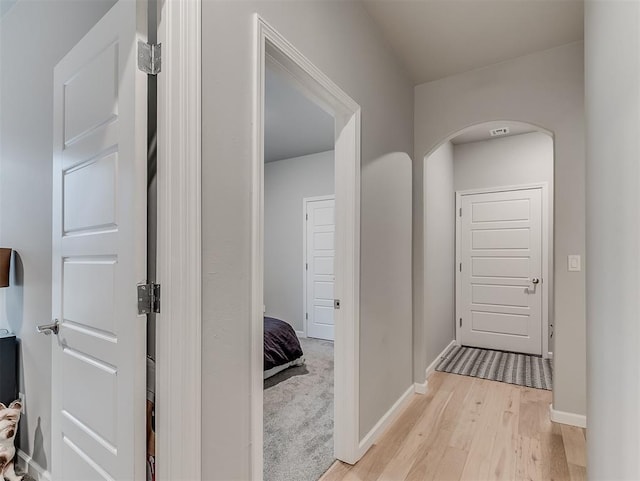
(305, 389)
(299, 171)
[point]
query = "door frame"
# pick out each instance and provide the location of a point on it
(547, 253)
(179, 252)
(270, 46)
(305, 203)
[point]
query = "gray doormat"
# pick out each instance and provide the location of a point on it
(509, 367)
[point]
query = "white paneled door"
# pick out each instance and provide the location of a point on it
(99, 253)
(500, 270)
(320, 228)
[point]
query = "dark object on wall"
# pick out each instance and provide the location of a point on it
(5, 264)
(8, 368)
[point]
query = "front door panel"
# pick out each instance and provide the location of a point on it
(99, 253)
(500, 306)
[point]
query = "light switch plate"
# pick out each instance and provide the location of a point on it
(574, 263)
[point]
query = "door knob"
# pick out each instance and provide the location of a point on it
(47, 329)
(535, 280)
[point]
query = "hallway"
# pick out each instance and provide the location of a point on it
(472, 429)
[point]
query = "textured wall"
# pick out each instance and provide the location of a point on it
(612, 55)
(439, 256)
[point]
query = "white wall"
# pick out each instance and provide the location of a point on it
(521, 159)
(439, 256)
(34, 36)
(612, 54)
(286, 183)
(518, 160)
(545, 89)
(340, 38)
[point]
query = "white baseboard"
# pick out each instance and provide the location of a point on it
(432, 367)
(384, 422)
(420, 388)
(571, 419)
(28, 465)
(301, 335)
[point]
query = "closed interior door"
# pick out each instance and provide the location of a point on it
(99, 253)
(320, 231)
(499, 271)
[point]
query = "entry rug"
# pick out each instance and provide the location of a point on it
(520, 369)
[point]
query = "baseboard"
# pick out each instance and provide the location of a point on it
(301, 335)
(550, 355)
(420, 388)
(432, 367)
(384, 422)
(28, 465)
(571, 419)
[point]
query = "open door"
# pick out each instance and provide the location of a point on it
(99, 252)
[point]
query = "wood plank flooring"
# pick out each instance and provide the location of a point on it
(472, 429)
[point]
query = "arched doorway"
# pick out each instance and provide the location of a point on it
(506, 165)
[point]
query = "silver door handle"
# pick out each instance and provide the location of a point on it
(534, 281)
(47, 329)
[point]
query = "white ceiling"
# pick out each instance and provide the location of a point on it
(294, 125)
(481, 132)
(439, 38)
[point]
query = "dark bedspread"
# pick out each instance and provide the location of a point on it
(281, 344)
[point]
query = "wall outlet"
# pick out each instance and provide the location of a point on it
(21, 398)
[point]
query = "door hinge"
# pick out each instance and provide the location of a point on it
(460, 322)
(149, 57)
(306, 316)
(307, 217)
(148, 298)
(306, 266)
(460, 267)
(460, 211)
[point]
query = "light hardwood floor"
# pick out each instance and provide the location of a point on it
(473, 430)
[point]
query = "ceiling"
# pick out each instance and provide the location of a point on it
(439, 38)
(481, 132)
(294, 125)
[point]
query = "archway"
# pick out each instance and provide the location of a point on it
(491, 156)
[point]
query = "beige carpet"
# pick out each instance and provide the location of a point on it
(298, 417)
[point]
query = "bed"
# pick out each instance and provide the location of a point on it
(281, 347)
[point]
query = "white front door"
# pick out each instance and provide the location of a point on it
(99, 253)
(320, 228)
(500, 271)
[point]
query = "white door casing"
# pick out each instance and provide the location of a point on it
(500, 256)
(271, 46)
(319, 256)
(99, 252)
